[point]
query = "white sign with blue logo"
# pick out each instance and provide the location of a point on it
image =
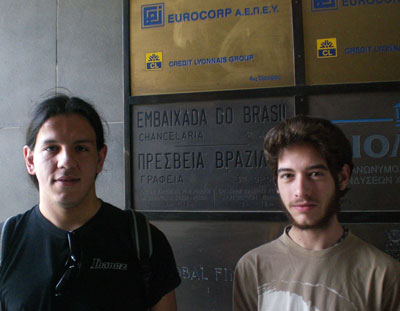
(371, 122)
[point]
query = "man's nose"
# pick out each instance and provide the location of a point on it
(303, 187)
(66, 158)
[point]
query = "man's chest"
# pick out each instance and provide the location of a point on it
(310, 286)
(106, 276)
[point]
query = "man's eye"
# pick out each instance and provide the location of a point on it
(51, 148)
(286, 176)
(81, 148)
(316, 174)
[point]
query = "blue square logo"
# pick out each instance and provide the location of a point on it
(153, 15)
(323, 5)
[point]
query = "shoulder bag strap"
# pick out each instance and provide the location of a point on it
(142, 243)
(3, 242)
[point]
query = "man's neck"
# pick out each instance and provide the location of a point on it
(317, 238)
(71, 217)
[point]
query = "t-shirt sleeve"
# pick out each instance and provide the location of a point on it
(392, 296)
(164, 275)
(244, 287)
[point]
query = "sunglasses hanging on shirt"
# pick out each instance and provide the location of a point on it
(71, 266)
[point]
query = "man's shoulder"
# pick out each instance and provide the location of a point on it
(110, 208)
(262, 253)
(373, 256)
(11, 226)
(25, 214)
(16, 219)
(113, 214)
(109, 213)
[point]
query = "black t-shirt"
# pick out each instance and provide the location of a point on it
(108, 278)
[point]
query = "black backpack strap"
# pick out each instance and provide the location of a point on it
(142, 243)
(4, 238)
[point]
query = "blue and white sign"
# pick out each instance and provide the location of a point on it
(153, 15)
(323, 5)
(371, 123)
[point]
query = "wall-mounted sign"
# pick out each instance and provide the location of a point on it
(196, 46)
(205, 156)
(206, 254)
(351, 41)
(372, 124)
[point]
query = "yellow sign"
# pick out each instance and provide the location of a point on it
(154, 61)
(210, 45)
(327, 48)
(368, 41)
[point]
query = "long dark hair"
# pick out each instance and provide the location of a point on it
(58, 105)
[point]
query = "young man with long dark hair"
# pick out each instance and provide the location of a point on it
(73, 251)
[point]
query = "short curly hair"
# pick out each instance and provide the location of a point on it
(325, 137)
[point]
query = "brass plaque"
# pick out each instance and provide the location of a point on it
(195, 46)
(205, 156)
(351, 41)
(372, 124)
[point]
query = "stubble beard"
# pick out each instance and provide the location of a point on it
(332, 210)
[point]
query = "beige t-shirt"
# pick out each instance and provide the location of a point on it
(283, 276)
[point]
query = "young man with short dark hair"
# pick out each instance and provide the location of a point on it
(73, 251)
(317, 264)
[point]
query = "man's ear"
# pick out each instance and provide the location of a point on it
(28, 156)
(344, 177)
(102, 156)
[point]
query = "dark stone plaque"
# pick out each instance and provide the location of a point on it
(372, 124)
(386, 237)
(205, 156)
(206, 254)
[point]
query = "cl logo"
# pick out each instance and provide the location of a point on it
(327, 53)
